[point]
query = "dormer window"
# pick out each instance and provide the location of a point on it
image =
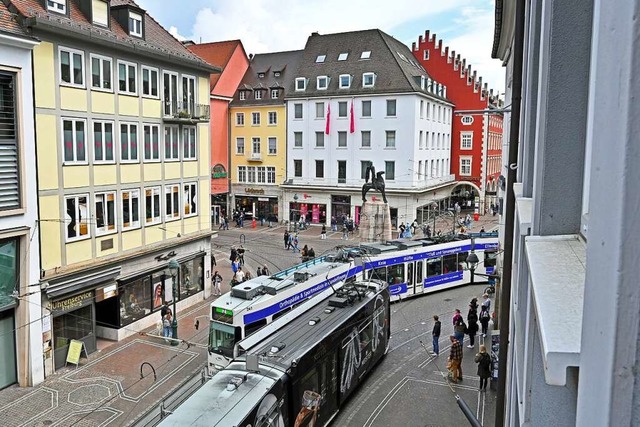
(274, 93)
(243, 95)
(100, 13)
(322, 82)
(261, 75)
(425, 55)
(59, 6)
(365, 55)
(368, 79)
(301, 83)
(276, 74)
(343, 56)
(345, 81)
(321, 58)
(258, 94)
(135, 24)
(423, 82)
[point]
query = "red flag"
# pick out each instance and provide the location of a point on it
(326, 128)
(352, 127)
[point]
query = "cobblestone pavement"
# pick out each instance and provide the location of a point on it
(119, 383)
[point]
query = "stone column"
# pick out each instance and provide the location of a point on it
(375, 222)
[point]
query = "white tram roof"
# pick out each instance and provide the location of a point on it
(225, 398)
(296, 338)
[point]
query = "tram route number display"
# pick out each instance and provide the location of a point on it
(75, 350)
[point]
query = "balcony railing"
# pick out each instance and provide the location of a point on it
(255, 157)
(185, 111)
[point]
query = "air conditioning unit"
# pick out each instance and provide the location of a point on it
(246, 291)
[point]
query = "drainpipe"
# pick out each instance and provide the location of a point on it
(514, 136)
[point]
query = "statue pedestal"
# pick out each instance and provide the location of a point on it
(375, 222)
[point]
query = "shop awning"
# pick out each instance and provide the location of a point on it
(81, 282)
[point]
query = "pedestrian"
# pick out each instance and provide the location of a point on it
(286, 239)
(241, 254)
(486, 302)
(334, 224)
(435, 336)
(345, 231)
(484, 320)
(402, 228)
(259, 271)
(459, 329)
(290, 244)
(456, 316)
(239, 275)
(217, 281)
(472, 325)
(482, 230)
(428, 231)
(455, 359)
(167, 333)
(213, 260)
(265, 271)
(311, 254)
(163, 311)
(474, 303)
(323, 233)
(234, 254)
(484, 367)
(295, 242)
(414, 225)
(235, 266)
(304, 253)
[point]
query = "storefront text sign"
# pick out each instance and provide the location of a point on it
(250, 190)
(72, 303)
(218, 171)
(75, 350)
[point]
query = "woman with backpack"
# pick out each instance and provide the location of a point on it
(472, 325)
(484, 320)
(459, 330)
(484, 367)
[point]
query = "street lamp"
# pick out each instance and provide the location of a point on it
(174, 267)
(472, 261)
(295, 206)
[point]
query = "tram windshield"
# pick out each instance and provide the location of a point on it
(222, 338)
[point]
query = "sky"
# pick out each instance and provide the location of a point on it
(264, 26)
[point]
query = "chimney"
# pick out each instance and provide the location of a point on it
(315, 33)
(250, 56)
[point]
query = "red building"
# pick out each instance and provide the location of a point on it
(231, 57)
(476, 136)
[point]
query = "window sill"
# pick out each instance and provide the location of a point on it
(557, 272)
(99, 89)
(524, 207)
(145, 96)
(132, 94)
(73, 86)
(78, 239)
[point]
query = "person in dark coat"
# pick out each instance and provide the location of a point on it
(472, 325)
(484, 320)
(435, 335)
(286, 239)
(484, 367)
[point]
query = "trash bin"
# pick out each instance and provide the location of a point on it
(476, 216)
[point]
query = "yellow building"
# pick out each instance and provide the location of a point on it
(258, 136)
(123, 149)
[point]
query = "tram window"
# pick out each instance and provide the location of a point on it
(490, 258)
(365, 331)
(250, 328)
(462, 260)
(395, 274)
(280, 314)
(222, 338)
(419, 275)
(449, 263)
(379, 273)
(434, 267)
(410, 274)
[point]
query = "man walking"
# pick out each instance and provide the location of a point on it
(455, 359)
(435, 334)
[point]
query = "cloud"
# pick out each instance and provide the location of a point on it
(174, 32)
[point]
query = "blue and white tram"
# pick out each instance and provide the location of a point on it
(417, 267)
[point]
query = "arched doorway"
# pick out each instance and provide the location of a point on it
(467, 195)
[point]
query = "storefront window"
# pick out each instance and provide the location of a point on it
(8, 250)
(135, 300)
(191, 277)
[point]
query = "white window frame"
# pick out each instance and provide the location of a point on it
(320, 58)
(103, 143)
(83, 220)
(463, 165)
(75, 160)
(257, 94)
(275, 93)
(102, 59)
(256, 145)
(324, 79)
(151, 159)
(106, 228)
(239, 119)
(155, 191)
(242, 95)
(301, 111)
(256, 118)
(343, 56)
(271, 174)
(466, 120)
(135, 18)
(171, 152)
(71, 52)
(171, 206)
(348, 82)
(320, 110)
(387, 139)
(127, 204)
(393, 102)
(273, 118)
(318, 134)
(362, 133)
(295, 142)
(189, 143)
(466, 140)
(346, 109)
(301, 83)
(365, 76)
(57, 6)
(190, 193)
(127, 90)
(151, 70)
(342, 139)
(242, 174)
(274, 140)
(189, 99)
(129, 125)
(251, 174)
(425, 54)
(262, 175)
(365, 54)
(240, 149)
(370, 108)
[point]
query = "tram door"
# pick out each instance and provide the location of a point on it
(414, 278)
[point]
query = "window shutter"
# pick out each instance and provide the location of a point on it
(9, 173)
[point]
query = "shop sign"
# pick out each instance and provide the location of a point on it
(263, 199)
(106, 292)
(218, 171)
(72, 303)
(250, 190)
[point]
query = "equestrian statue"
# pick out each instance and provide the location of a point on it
(377, 183)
